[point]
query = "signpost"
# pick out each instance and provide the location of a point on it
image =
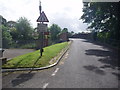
(42, 28)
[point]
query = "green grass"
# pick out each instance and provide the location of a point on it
(33, 59)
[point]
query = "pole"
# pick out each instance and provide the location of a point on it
(41, 43)
(1, 53)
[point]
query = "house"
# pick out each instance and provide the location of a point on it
(63, 37)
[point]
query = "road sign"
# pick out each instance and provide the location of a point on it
(42, 18)
(42, 27)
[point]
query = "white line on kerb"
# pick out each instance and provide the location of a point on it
(55, 71)
(45, 85)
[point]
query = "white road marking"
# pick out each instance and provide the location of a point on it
(45, 85)
(55, 71)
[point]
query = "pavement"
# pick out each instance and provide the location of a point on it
(85, 65)
(11, 53)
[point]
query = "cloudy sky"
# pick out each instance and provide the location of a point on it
(65, 13)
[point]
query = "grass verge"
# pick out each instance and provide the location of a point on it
(33, 59)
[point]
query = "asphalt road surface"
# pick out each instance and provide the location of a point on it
(85, 65)
(11, 53)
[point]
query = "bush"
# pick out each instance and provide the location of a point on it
(28, 46)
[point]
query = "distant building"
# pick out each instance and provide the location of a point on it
(82, 35)
(63, 37)
(2, 20)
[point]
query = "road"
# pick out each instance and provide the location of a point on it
(85, 65)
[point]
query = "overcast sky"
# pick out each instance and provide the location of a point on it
(65, 13)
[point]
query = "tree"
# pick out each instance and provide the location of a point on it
(12, 29)
(54, 31)
(103, 17)
(6, 37)
(16, 34)
(64, 30)
(24, 29)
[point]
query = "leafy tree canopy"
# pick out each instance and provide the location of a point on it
(65, 30)
(102, 17)
(24, 28)
(54, 30)
(6, 37)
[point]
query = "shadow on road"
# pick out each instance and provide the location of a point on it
(107, 57)
(94, 69)
(22, 78)
(117, 74)
(98, 52)
(88, 41)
